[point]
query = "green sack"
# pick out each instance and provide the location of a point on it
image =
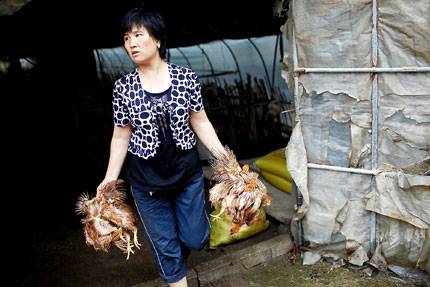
(220, 229)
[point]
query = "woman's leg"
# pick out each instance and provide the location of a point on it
(192, 216)
(159, 222)
(180, 283)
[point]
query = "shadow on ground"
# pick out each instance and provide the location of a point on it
(54, 253)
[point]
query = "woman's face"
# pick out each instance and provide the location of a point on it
(141, 47)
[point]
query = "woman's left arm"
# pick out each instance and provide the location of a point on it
(204, 130)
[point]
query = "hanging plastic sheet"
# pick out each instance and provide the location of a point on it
(335, 127)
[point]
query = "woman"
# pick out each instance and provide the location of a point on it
(158, 109)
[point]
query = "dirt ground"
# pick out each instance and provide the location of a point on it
(67, 261)
(62, 259)
(281, 272)
(54, 253)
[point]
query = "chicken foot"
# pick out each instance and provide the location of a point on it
(218, 216)
(136, 243)
(129, 248)
(122, 237)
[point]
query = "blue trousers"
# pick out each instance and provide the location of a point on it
(171, 222)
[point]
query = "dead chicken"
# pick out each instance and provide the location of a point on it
(239, 191)
(108, 221)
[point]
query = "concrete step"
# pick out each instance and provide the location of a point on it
(239, 261)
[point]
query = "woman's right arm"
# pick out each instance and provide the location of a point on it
(118, 152)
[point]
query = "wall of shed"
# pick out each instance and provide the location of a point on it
(334, 127)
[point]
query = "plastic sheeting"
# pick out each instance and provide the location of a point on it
(115, 62)
(334, 127)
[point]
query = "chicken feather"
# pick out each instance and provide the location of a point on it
(109, 221)
(239, 191)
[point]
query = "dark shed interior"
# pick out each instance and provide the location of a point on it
(59, 114)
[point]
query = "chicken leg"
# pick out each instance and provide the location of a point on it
(218, 216)
(136, 243)
(129, 246)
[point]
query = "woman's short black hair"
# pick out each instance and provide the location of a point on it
(153, 22)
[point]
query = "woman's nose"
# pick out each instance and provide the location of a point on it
(133, 42)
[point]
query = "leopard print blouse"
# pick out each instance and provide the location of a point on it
(131, 106)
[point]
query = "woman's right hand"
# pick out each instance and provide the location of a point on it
(100, 188)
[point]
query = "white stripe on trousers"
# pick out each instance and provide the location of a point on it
(147, 233)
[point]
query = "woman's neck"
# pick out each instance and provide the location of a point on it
(155, 76)
(151, 68)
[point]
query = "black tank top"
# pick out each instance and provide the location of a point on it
(171, 168)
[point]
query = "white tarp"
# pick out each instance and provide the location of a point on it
(335, 128)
